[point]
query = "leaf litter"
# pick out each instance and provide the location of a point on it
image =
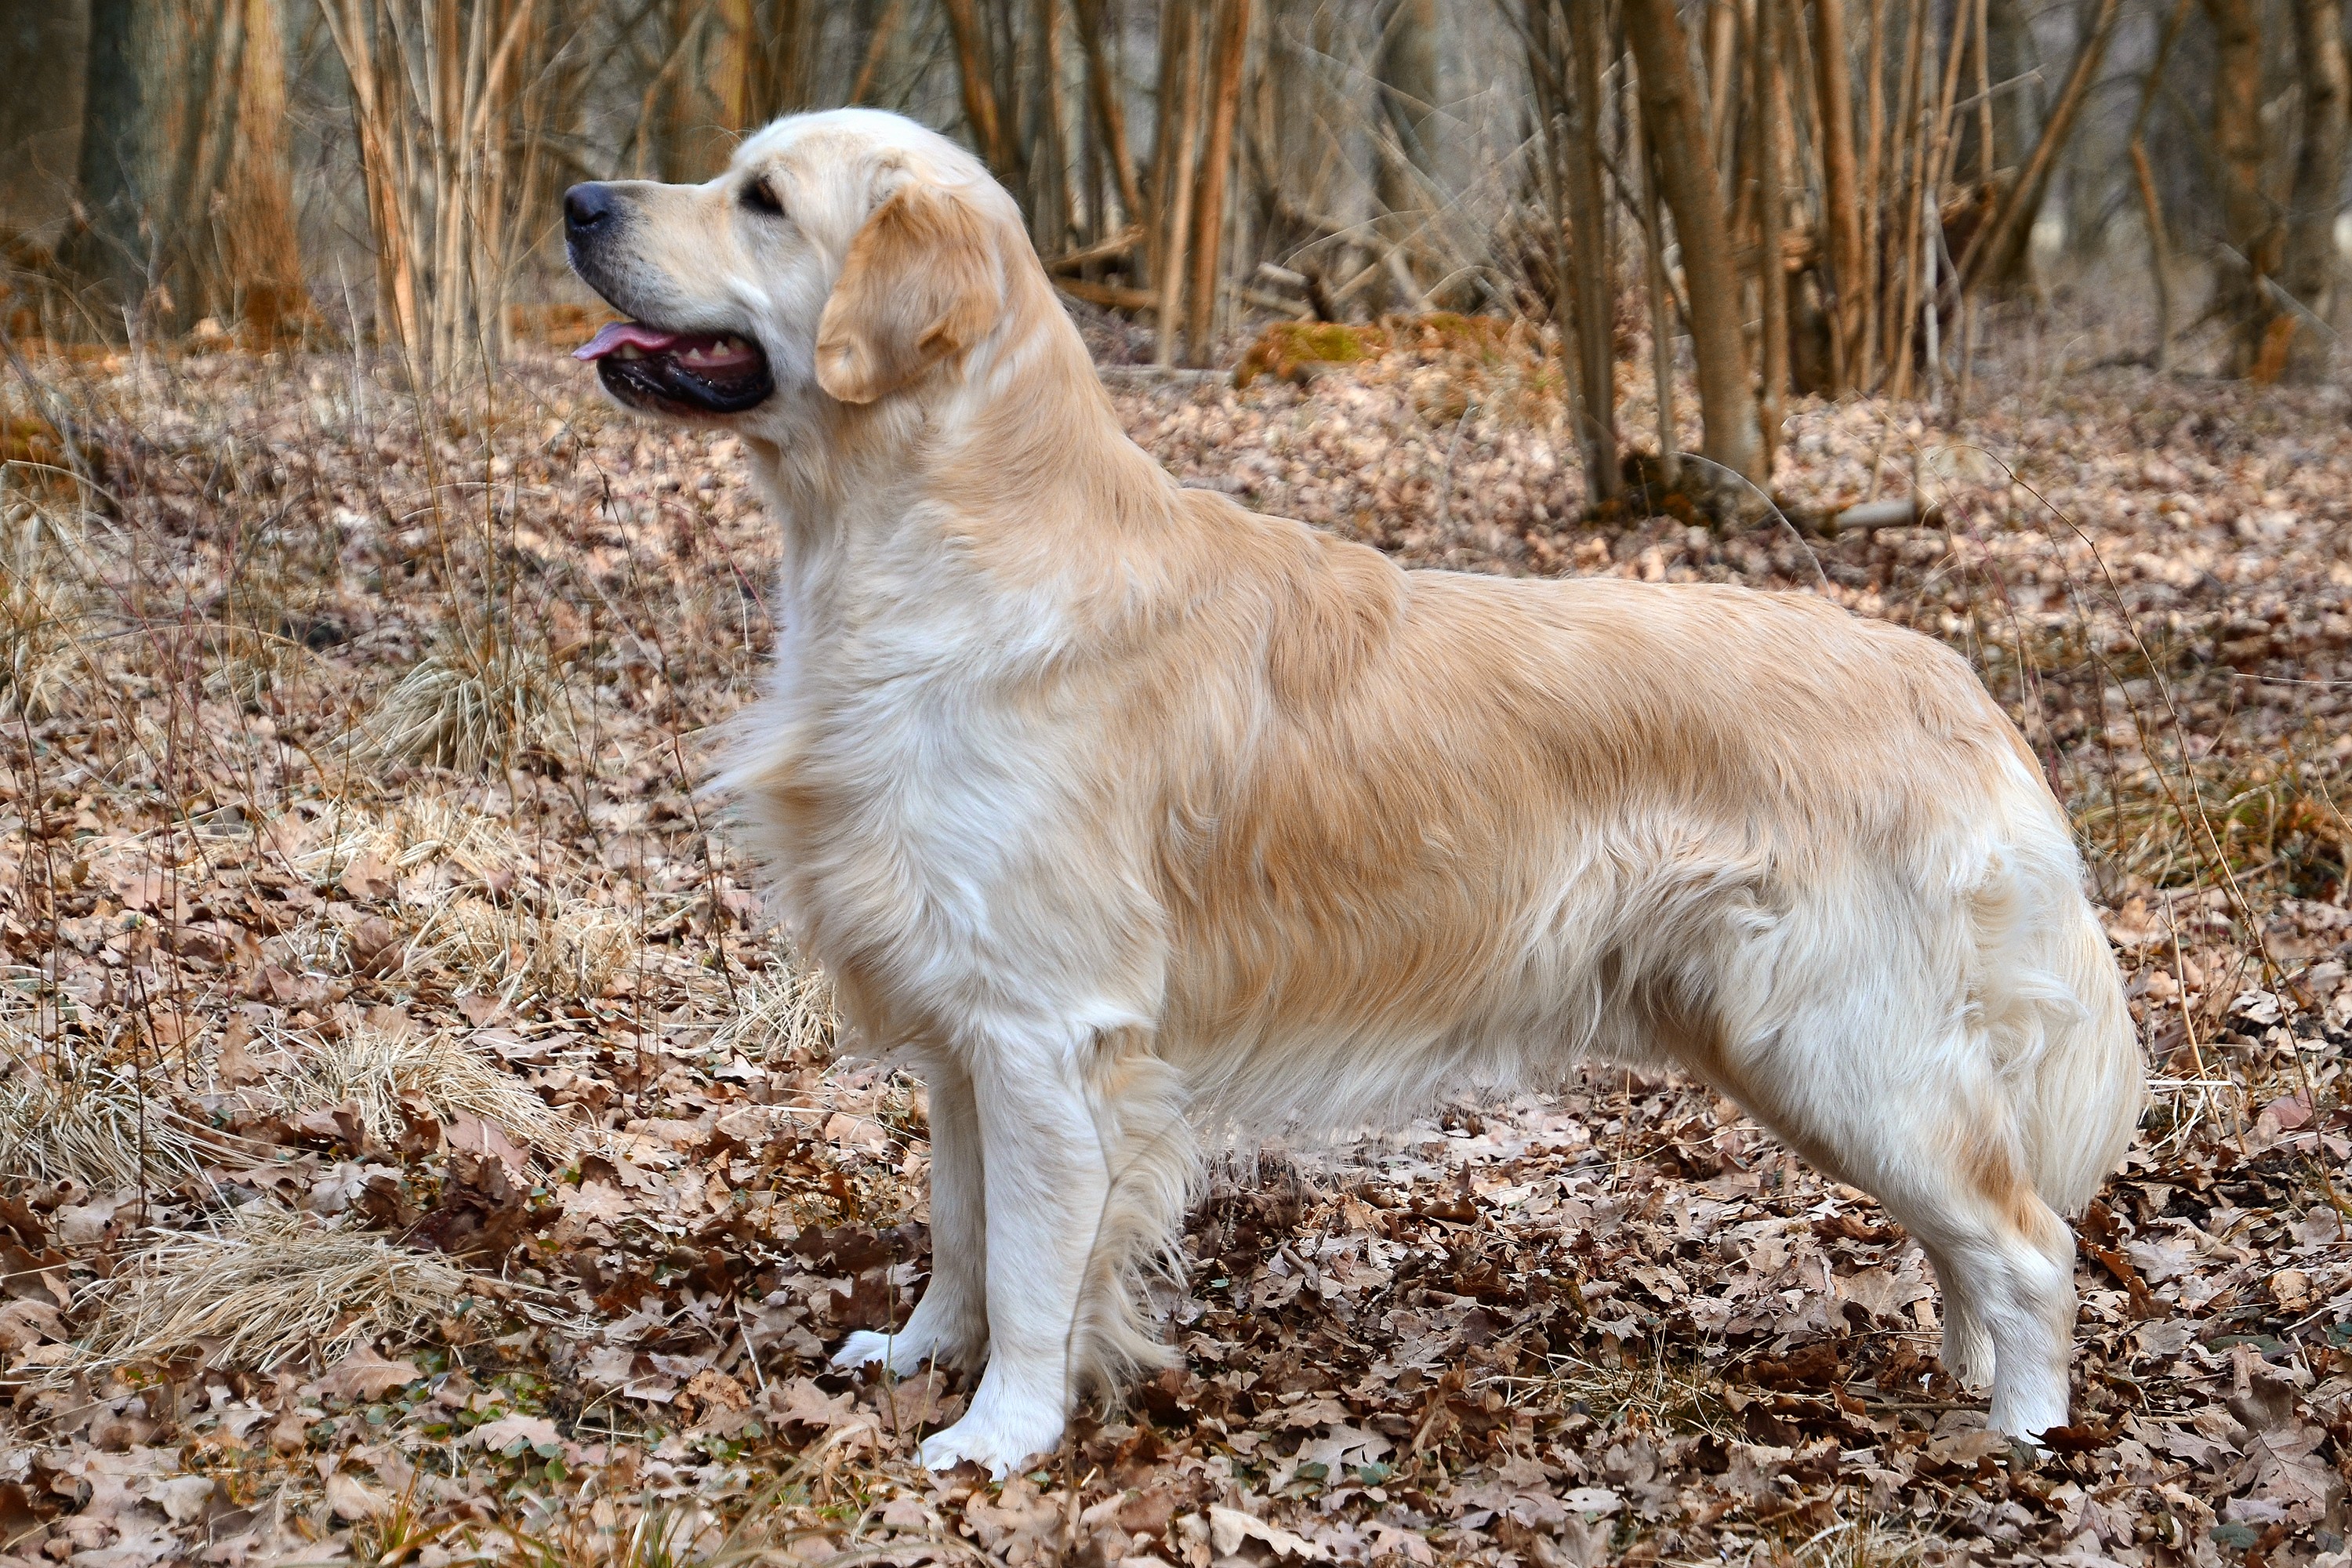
(419, 1146)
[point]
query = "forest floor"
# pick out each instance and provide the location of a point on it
(416, 1146)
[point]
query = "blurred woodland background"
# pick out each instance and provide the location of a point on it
(417, 1147)
(1820, 195)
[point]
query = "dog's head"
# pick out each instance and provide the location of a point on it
(850, 255)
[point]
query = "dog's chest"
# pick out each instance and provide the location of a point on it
(913, 810)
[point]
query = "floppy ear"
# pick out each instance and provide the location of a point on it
(922, 282)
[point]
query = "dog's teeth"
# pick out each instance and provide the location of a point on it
(628, 351)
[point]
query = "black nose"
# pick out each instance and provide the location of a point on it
(589, 208)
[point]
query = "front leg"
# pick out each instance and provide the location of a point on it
(950, 1324)
(1047, 1182)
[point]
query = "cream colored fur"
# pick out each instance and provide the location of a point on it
(1130, 814)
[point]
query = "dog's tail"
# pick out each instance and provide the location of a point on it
(2053, 1003)
(2088, 1092)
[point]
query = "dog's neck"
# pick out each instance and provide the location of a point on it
(1012, 463)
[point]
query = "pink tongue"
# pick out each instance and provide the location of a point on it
(613, 334)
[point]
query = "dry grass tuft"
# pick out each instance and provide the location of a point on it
(97, 1127)
(1865, 1543)
(43, 604)
(418, 830)
(262, 1290)
(785, 1014)
(656, 1535)
(1663, 1392)
(479, 701)
(575, 952)
(376, 1070)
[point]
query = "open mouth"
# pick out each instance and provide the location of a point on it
(678, 372)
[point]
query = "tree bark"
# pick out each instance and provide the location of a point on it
(1662, 312)
(1771, 275)
(701, 88)
(1595, 282)
(122, 178)
(2016, 110)
(1671, 112)
(1216, 163)
(2246, 220)
(184, 187)
(1045, 149)
(1407, 69)
(1842, 217)
(41, 130)
(259, 277)
(1997, 253)
(2159, 239)
(1111, 114)
(1183, 120)
(990, 134)
(2313, 266)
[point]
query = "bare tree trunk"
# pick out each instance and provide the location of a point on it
(1662, 309)
(1719, 43)
(877, 49)
(1216, 163)
(1183, 118)
(2313, 268)
(1841, 201)
(779, 51)
(1111, 114)
(1045, 140)
(261, 261)
(1771, 274)
(1595, 281)
(1407, 68)
(41, 130)
(990, 133)
(118, 174)
(451, 106)
(1997, 253)
(2246, 219)
(2016, 110)
(1671, 114)
(701, 88)
(2159, 241)
(186, 190)
(1871, 283)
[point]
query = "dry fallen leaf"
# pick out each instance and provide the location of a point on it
(365, 1375)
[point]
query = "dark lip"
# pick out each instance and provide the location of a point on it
(659, 384)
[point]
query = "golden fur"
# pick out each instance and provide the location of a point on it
(1134, 816)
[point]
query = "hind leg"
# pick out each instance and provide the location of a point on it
(950, 1324)
(1967, 1348)
(2010, 1259)
(1939, 1150)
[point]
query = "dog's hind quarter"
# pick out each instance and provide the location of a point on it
(1444, 822)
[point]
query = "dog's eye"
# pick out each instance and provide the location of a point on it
(761, 199)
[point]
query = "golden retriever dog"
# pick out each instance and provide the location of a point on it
(1139, 821)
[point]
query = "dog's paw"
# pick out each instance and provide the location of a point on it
(865, 1347)
(997, 1446)
(904, 1353)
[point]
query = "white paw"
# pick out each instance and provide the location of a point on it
(905, 1353)
(2027, 1419)
(864, 1346)
(998, 1447)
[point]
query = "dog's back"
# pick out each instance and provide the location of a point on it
(1801, 854)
